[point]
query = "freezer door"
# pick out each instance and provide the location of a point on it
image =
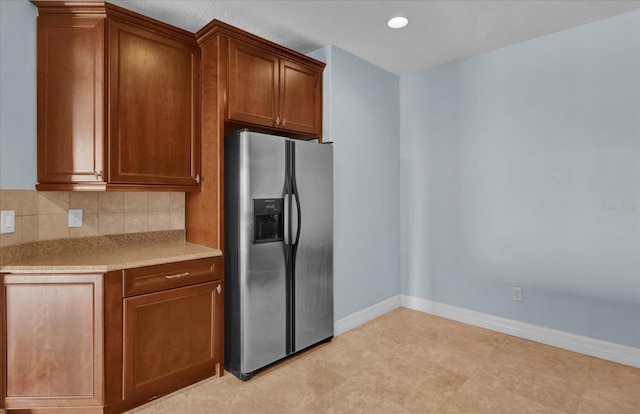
(262, 268)
(313, 275)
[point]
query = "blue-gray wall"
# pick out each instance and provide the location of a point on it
(361, 118)
(521, 167)
(518, 167)
(17, 95)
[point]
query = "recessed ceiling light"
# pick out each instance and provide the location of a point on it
(397, 22)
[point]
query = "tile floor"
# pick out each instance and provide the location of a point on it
(410, 362)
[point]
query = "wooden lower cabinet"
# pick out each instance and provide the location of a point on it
(168, 337)
(54, 341)
(90, 343)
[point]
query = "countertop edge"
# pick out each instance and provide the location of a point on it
(116, 259)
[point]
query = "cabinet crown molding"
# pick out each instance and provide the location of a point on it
(217, 27)
(105, 9)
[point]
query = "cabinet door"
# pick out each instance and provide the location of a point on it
(54, 341)
(154, 108)
(300, 98)
(70, 99)
(171, 336)
(253, 85)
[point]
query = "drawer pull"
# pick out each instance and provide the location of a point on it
(177, 275)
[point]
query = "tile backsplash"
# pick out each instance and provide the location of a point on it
(43, 215)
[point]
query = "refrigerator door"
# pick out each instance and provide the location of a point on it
(313, 269)
(262, 270)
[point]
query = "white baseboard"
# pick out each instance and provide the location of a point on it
(361, 317)
(601, 349)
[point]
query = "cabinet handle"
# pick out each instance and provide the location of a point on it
(277, 121)
(198, 179)
(219, 289)
(97, 175)
(177, 275)
(284, 121)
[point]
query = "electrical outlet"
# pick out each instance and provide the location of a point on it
(75, 217)
(517, 294)
(8, 222)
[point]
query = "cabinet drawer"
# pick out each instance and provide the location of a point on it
(171, 275)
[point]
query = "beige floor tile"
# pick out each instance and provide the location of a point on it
(560, 394)
(544, 360)
(410, 362)
(611, 388)
(481, 396)
(461, 348)
(610, 376)
(215, 395)
(353, 353)
(353, 397)
(290, 386)
(419, 386)
(540, 373)
(608, 404)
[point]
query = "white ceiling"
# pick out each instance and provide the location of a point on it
(438, 31)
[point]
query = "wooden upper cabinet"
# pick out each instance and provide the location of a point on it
(154, 90)
(300, 98)
(253, 84)
(118, 100)
(268, 89)
(71, 99)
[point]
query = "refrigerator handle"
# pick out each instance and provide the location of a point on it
(286, 219)
(294, 192)
(298, 218)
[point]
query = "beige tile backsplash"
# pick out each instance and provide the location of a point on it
(161, 201)
(88, 202)
(43, 215)
(111, 202)
(136, 203)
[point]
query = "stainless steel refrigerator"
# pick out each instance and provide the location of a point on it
(278, 248)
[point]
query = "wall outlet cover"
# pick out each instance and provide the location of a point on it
(8, 222)
(517, 294)
(75, 217)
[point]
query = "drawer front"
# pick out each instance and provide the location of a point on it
(171, 275)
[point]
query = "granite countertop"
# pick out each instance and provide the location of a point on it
(112, 259)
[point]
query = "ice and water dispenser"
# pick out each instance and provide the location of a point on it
(268, 220)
